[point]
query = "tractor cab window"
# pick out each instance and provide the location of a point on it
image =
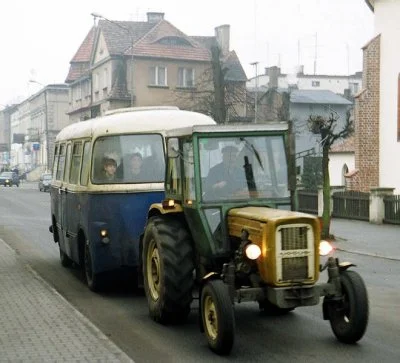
(189, 190)
(243, 168)
(173, 181)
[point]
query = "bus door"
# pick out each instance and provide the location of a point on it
(64, 202)
(72, 199)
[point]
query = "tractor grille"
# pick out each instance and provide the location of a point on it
(294, 268)
(295, 253)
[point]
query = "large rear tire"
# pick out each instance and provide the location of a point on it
(217, 317)
(95, 281)
(65, 260)
(349, 316)
(168, 269)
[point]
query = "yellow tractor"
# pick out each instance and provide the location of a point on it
(228, 231)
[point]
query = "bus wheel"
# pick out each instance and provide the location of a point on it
(93, 280)
(168, 270)
(217, 315)
(65, 260)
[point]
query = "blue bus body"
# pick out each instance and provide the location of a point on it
(98, 223)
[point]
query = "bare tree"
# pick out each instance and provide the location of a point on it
(214, 94)
(326, 128)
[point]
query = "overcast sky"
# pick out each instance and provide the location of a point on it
(39, 38)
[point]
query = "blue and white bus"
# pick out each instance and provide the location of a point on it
(98, 221)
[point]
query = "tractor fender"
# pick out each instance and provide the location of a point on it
(343, 266)
(158, 208)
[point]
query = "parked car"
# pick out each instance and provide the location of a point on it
(45, 182)
(9, 178)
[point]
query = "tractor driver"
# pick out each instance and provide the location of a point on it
(225, 178)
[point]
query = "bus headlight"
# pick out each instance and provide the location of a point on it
(325, 248)
(104, 236)
(252, 251)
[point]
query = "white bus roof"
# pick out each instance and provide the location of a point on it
(140, 120)
(190, 129)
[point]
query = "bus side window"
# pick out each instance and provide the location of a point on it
(85, 164)
(67, 163)
(61, 162)
(75, 163)
(55, 164)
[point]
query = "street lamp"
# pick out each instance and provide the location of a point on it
(46, 123)
(255, 64)
(129, 31)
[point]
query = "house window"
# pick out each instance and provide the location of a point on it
(353, 88)
(158, 76)
(185, 77)
(315, 83)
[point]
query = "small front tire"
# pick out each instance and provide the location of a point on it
(217, 317)
(349, 316)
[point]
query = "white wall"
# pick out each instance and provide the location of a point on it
(387, 15)
(336, 163)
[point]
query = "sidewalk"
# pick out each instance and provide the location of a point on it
(366, 238)
(38, 325)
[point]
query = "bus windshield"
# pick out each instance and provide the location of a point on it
(243, 168)
(135, 158)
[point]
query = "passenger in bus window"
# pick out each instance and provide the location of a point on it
(109, 169)
(135, 172)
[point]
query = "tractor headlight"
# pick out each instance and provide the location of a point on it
(252, 251)
(325, 248)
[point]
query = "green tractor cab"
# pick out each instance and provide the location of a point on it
(228, 230)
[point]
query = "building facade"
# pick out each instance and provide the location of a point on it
(125, 63)
(34, 124)
(377, 114)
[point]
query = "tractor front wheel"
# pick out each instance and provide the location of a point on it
(349, 315)
(217, 317)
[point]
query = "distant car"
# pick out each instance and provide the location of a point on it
(9, 178)
(45, 182)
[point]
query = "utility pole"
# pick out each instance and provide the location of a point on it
(255, 64)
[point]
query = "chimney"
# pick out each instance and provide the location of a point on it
(222, 34)
(274, 72)
(300, 70)
(153, 17)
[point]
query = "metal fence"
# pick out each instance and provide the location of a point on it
(392, 209)
(351, 204)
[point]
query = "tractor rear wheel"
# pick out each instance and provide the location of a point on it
(168, 269)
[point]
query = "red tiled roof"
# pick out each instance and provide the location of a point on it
(77, 70)
(148, 45)
(80, 63)
(85, 50)
(172, 52)
(347, 145)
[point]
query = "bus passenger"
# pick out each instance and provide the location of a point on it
(109, 169)
(135, 172)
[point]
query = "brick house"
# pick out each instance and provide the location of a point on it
(127, 63)
(377, 115)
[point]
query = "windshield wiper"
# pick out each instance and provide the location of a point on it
(250, 146)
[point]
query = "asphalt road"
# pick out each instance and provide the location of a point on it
(121, 313)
